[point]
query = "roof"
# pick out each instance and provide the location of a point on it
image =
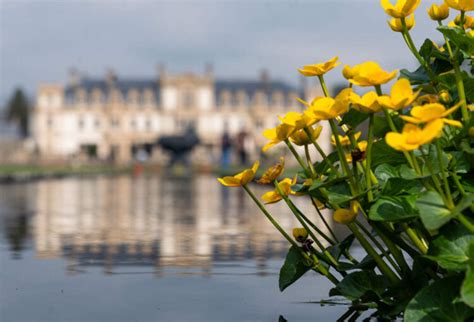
(250, 87)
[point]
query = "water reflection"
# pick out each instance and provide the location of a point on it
(157, 222)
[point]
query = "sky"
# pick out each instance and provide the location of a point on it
(41, 40)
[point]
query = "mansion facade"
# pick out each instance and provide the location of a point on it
(113, 118)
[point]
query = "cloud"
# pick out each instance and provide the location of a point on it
(41, 40)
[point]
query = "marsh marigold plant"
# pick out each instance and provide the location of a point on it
(400, 178)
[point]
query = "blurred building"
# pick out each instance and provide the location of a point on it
(115, 118)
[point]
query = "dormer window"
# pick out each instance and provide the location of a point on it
(133, 97)
(148, 98)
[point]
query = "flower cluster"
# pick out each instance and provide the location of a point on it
(402, 164)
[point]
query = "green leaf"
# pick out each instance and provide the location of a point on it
(432, 212)
(382, 153)
(417, 77)
(358, 284)
(353, 118)
(467, 288)
(385, 171)
(395, 186)
(337, 250)
(460, 39)
(450, 248)
(388, 208)
(294, 267)
(469, 88)
(436, 302)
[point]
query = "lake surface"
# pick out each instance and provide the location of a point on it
(147, 249)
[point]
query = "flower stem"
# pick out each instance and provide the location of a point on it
(323, 85)
(269, 217)
(341, 155)
(384, 268)
(298, 158)
(328, 227)
(310, 163)
(320, 151)
(447, 190)
(368, 159)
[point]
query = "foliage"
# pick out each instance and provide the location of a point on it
(18, 111)
(405, 191)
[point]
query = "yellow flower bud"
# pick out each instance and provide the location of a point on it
(396, 23)
(444, 97)
(344, 216)
(471, 131)
(273, 172)
(438, 13)
(300, 234)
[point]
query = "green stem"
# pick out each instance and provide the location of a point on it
(434, 178)
(458, 183)
(328, 227)
(384, 268)
(323, 85)
(269, 217)
(320, 151)
(341, 155)
(463, 220)
(309, 162)
(297, 157)
(412, 47)
(368, 159)
(415, 239)
(447, 190)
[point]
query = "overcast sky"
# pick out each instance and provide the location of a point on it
(41, 40)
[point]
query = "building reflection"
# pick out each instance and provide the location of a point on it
(159, 222)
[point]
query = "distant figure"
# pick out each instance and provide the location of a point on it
(242, 144)
(226, 148)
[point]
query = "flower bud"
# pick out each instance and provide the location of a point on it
(300, 234)
(438, 13)
(471, 131)
(444, 97)
(344, 216)
(396, 24)
(273, 172)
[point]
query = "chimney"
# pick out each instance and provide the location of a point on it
(74, 78)
(265, 79)
(110, 77)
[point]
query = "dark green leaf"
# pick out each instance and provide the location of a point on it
(385, 171)
(382, 153)
(358, 284)
(460, 39)
(294, 267)
(436, 302)
(432, 211)
(417, 77)
(395, 186)
(450, 248)
(467, 289)
(337, 250)
(353, 118)
(388, 208)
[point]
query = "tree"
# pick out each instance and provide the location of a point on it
(18, 111)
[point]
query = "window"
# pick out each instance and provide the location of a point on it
(188, 99)
(97, 123)
(80, 124)
(148, 125)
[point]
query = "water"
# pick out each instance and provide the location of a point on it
(146, 249)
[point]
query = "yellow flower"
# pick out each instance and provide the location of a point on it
(461, 5)
(438, 13)
(402, 9)
(326, 108)
(368, 103)
(412, 136)
(444, 97)
(344, 216)
(241, 178)
(273, 172)
(368, 74)
(296, 120)
(344, 140)
(300, 234)
(401, 95)
(278, 134)
(396, 23)
(468, 22)
(285, 187)
(301, 138)
(319, 69)
(430, 112)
